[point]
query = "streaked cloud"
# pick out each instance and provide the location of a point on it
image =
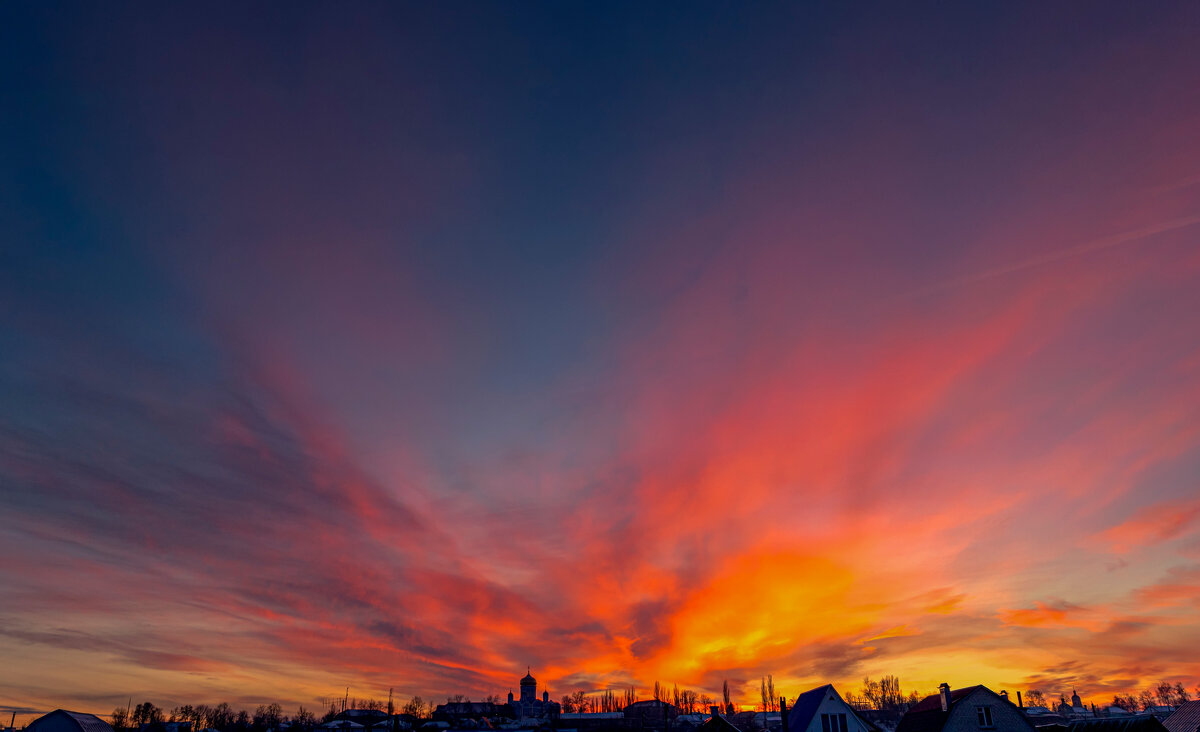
(389, 367)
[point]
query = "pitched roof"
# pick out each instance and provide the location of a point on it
(717, 723)
(927, 715)
(647, 703)
(85, 722)
(805, 707)
(1184, 719)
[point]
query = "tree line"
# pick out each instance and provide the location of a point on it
(687, 701)
(266, 717)
(607, 700)
(886, 694)
(218, 716)
(1164, 694)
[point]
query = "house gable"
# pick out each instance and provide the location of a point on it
(823, 710)
(983, 710)
(966, 713)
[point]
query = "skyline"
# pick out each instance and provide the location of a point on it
(411, 345)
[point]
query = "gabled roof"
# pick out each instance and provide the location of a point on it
(934, 701)
(85, 722)
(643, 704)
(927, 715)
(806, 705)
(717, 723)
(1184, 719)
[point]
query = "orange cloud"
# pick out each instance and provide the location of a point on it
(1059, 614)
(1180, 588)
(1152, 525)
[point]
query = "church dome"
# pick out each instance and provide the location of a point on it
(528, 680)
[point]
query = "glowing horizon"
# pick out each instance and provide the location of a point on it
(386, 347)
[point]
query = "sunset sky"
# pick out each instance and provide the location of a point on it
(408, 345)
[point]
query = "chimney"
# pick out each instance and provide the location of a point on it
(714, 711)
(1020, 704)
(944, 692)
(783, 715)
(1004, 695)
